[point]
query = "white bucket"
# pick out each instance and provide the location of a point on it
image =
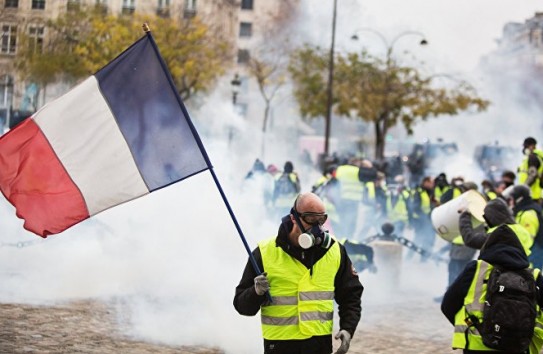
(446, 216)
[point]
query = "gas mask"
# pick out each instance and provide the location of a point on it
(316, 235)
(526, 151)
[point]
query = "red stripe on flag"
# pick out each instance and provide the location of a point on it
(36, 183)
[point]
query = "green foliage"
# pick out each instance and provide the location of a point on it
(80, 42)
(308, 69)
(377, 91)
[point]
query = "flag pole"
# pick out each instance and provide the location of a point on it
(252, 259)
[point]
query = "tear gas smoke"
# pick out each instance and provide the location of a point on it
(170, 261)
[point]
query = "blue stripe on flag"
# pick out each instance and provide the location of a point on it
(150, 116)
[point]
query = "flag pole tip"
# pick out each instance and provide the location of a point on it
(146, 27)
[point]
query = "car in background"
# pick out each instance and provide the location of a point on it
(494, 159)
(429, 159)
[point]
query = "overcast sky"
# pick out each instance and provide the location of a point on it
(459, 31)
(174, 257)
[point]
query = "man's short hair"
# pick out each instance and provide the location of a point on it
(510, 175)
(529, 141)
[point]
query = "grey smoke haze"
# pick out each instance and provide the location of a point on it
(171, 260)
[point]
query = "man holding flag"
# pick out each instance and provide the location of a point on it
(305, 270)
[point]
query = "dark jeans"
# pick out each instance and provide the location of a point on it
(456, 266)
(536, 257)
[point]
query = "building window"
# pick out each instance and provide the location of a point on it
(129, 7)
(241, 109)
(245, 29)
(73, 5)
(35, 34)
(38, 4)
(11, 3)
(101, 5)
(246, 4)
(6, 91)
(243, 56)
(163, 9)
(189, 11)
(9, 39)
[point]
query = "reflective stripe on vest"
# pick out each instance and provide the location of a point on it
(474, 305)
(302, 304)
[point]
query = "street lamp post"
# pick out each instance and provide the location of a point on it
(330, 87)
(236, 85)
(389, 47)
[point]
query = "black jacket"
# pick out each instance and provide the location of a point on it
(502, 248)
(348, 289)
(496, 212)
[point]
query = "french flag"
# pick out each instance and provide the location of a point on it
(120, 134)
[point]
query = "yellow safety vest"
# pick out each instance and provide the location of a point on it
(523, 174)
(529, 220)
(490, 195)
(425, 203)
(398, 211)
(523, 236)
(302, 304)
(474, 304)
(350, 187)
(438, 192)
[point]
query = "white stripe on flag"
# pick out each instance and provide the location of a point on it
(84, 134)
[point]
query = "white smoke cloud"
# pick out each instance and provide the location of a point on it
(170, 261)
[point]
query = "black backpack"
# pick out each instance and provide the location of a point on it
(510, 310)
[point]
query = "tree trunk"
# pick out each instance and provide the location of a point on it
(379, 141)
(264, 125)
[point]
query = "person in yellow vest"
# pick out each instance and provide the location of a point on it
(531, 168)
(305, 270)
(352, 178)
(489, 192)
(286, 187)
(464, 301)
(399, 205)
(495, 213)
(441, 185)
(459, 254)
(422, 205)
(528, 214)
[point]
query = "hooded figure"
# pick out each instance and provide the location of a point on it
(502, 248)
(496, 213)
